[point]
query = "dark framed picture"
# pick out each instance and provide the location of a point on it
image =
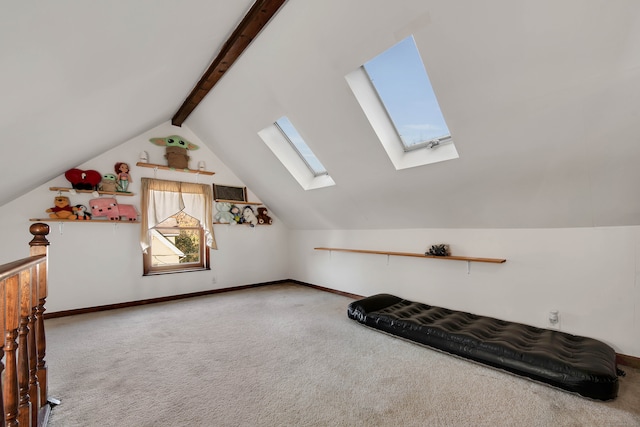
(232, 194)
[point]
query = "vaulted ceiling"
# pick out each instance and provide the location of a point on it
(542, 99)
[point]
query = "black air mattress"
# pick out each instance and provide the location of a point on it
(577, 364)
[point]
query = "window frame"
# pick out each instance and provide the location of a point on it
(287, 137)
(291, 159)
(378, 117)
(203, 264)
(394, 118)
(194, 200)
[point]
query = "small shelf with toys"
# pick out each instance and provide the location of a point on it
(232, 212)
(177, 151)
(84, 221)
(164, 167)
(237, 202)
(112, 193)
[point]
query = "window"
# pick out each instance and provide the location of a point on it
(402, 83)
(176, 231)
(395, 93)
(301, 147)
(288, 146)
(176, 244)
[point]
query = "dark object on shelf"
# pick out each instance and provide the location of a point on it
(229, 193)
(439, 250)
(83, 179)
(573, 363)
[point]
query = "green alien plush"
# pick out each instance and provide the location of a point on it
(176, 150)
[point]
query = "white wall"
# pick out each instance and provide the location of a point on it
(589, 274)
(94, 264)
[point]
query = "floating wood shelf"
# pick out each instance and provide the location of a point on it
(167, 168)
(238, 202)
(82, 221)
(454, 258)
(114, 193)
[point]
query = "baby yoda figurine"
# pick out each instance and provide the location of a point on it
(176, 150)
(108, 183)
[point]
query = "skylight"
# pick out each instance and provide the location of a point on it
(287, 145)
(396, 96)
(301, 147)
(401, 81)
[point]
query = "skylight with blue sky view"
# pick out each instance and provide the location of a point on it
(401, 81)
(298, 143)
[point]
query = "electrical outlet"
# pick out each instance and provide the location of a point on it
(554, 319)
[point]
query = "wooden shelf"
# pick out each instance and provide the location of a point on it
(453, 258)
(113, 193)
(238, 202)
(81, 221)
(167, 168)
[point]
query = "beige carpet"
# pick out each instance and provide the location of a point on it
(287, 355)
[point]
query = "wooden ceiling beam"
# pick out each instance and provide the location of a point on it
(253, 22)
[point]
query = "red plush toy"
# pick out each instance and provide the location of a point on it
(83, 180)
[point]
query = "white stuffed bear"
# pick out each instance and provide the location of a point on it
(249, 216)
(224, 215)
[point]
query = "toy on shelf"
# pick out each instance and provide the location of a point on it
(235, 212)
(83, 180)
(263, 217)
(123, 177)
(108, 183)
(62, 208)
(249, 216)
(176, 150)
(82, 212)
(224, 215)
(439, 250)
(108, 207)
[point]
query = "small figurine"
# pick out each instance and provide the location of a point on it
(439, 250)
(263, 217)
(108, 183)
(122, 176)
(176, 150)
(62, 208)
(237, 217)
(82, 212)
(249, 216)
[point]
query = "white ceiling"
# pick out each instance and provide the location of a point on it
(542, 99)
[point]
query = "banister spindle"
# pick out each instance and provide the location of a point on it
(39, 246)
(10, 346)
(24, 404)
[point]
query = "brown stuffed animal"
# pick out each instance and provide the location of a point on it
(263, 218)
(62, 208)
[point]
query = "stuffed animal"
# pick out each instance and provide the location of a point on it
(109, 207)
(224, 214)
(108, 183)
(123, 177)
(176, 150)
(81, 212)
(263, 218)
(83, 180)
(249, 217)
(237, 217)
(62, 209)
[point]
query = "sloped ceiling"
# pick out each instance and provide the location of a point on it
(78, 78)
(542, 99)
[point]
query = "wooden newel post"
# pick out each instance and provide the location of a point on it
(40, 246)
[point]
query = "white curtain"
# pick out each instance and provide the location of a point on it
(160, 199)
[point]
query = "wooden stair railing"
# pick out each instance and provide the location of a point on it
(23, 293)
